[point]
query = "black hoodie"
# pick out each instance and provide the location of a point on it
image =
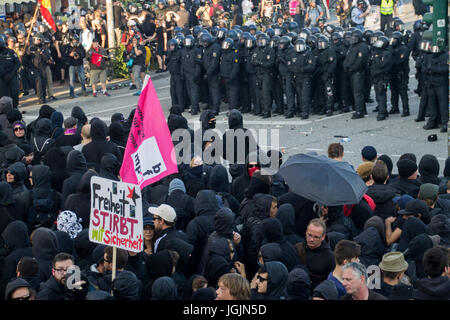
(303, 211)
(126, 286)
(158, 264)
(55, 158)
(433, 289)
(42, 142)
(299, 285)
(79, 114)
(117, 135)
(372, 241)
(13, 155)
(13, 285)
(276, 282)
(20, 192)
(16, 139)
(411, 228)
(218, 181)
(99, 146)
(44, 112)
(10, 209)
(76, 167)
(382, 195)
(286, 215)
(109, 167)
(241, 183)
(219, 261)
(429, 169)
(45, 246)
(164, 288)
(80, 202)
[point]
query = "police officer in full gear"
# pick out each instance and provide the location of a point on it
(285, 53)
(435, 66)
(191, 64)
(339, 74)
(326, 66)
(173, 63)
(264, 60)
(303, 65)
(380, 68)
(211, 64)
(34, 61)
(250, 47)
(49, 63)
(9, 65)
(399, 74)
(355, 64)
(229, 71)
(423, 78)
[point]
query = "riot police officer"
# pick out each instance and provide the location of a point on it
(264, 60)
(381, 64)
(34, 61)
(326, 65)
(191, 64)
(285, 53)
(277, 85)
(303, 65)
(173, 63)
(423, 79)
(229, 71)
(339, 74)
(9, 65)
(250, 47)
(355, 64)
(211, 61)
(399, 74)
(49, 63)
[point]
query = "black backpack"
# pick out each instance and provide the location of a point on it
(41, 212)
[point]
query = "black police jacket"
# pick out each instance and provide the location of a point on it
(263, 59)
(9, 64)
(400, 58)
(173, 62)
(436, 68)
(283, 57)
(303, 64)
(326, 63)
(191, 63)
(381, 64)
(211, 59)
(356, 59)
(229, 64)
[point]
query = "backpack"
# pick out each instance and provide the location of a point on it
(41, 212)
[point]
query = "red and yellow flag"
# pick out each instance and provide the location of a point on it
(46, 13)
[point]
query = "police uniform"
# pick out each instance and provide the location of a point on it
(229, 72)
(283, 58)
(173, 63)
(326, 65)
(9, 82)
(264, 60)
(251, 76)
(211, 61)
(381, 64)
(399, 79)
(339, 78)
(191, 64)
(34, 61)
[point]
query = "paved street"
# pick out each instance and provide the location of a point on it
(393, 137)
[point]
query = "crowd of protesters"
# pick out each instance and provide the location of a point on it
(208, 236)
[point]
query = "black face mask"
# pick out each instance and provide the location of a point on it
(212, 124)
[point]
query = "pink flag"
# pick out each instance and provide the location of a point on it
(149, 155)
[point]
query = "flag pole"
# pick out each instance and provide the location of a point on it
(113, 276)
(32, 23)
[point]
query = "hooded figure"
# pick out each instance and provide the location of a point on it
(372, 241)
(181, 202)
(20, 192)
(80, 202)
(23, 139)
(45, 246)
(164, 288)
(57, 120)
(44, 112)
(286, 215)
(17, 243)
(411, 228)
(336, 222)
(158, 264)
(414, 255)
(241, 183)
(117, 135)
(76, 167)
(218, 181)
(5, 145)
(55, 158)
(42, 141)
(219, 261)
(79, 114)
(429, 169)
(6, 105)
(126, 286)
(13, 155)
(303, 210)
(15, 284)
(277, 280)
(298, 285)
(273, 233)
(440, 225)
(382, 195)
(84, 249)
(199, 228)
(10, 209)
(204, 294)
(326, 290)
(99, 146)
(271, 252)
(109, 167)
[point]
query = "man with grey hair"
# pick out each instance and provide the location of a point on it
(70, 136)
(355, 282)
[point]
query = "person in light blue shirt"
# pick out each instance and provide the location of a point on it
(358, 15)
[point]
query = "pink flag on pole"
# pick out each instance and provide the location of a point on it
(149, 155)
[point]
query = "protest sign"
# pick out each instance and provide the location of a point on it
(116, 214)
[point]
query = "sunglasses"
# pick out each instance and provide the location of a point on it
(24, 298)
(18, 129)
(261, 279)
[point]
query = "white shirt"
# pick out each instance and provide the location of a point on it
(86, 39)
(247, 6)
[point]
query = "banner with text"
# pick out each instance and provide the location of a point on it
(116, 214)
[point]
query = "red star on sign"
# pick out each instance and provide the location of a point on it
(132, 195)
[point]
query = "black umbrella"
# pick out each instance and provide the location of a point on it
(323, 180)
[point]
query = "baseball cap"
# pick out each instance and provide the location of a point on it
(415, 207)
(428, 191)
(164, 211)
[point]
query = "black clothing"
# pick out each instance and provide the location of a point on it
(76, 167)
(50, 290)
(45, 246)
(433, 289)
(303, 211)
(406, 186)
(382, 195)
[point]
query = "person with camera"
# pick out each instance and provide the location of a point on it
(9, 65)
(34, 62)
(358, 14)
(136, 60)
(313, 13)
(49, 62)
(75, 54)
(97, 57)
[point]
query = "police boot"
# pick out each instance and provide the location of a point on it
(430, 126)
(329, 113)
(357, 115)
(444, 128)
(376, 109)
(381, 117)
(405, 112)
(304, 116)
(394, 110)
(289, 115)
(266, 115)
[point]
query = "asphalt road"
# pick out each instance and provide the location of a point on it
(393, 137)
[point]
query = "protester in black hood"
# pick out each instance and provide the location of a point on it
(57, 120)
(199, 229)
(444, 180)
(336, 222)
(42, 141)
(84, 249)
(164, 288)
(20, 132)
(129, 122)
(195, 176)
(13, 155)
(326, 290)
(218, 181)
(79, 292)
(55, 158)
(440, 225)
(117, 135)
(269, 252)
(286, 215)
(429, 169)
(207, 119)
(204, 294)
(45, 246)
(220, 260)
(272, 230)
(79, 114)
(20, 192)
(99, 146)
(17, 244)
(29, 155)
(44, 112)
(80, 202)
(372, 241)
(10, 209)
(414, 255)
(76, 167)
(126, 286)
(303, 210)
(5, 145)
(274, 287)
(242, 182)
(18, 283)
(6, 106)
(65, 242)
(299, 285)
(158, 264)
(411, 228)
(256, 195)
(109, 167)
(407, 182)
